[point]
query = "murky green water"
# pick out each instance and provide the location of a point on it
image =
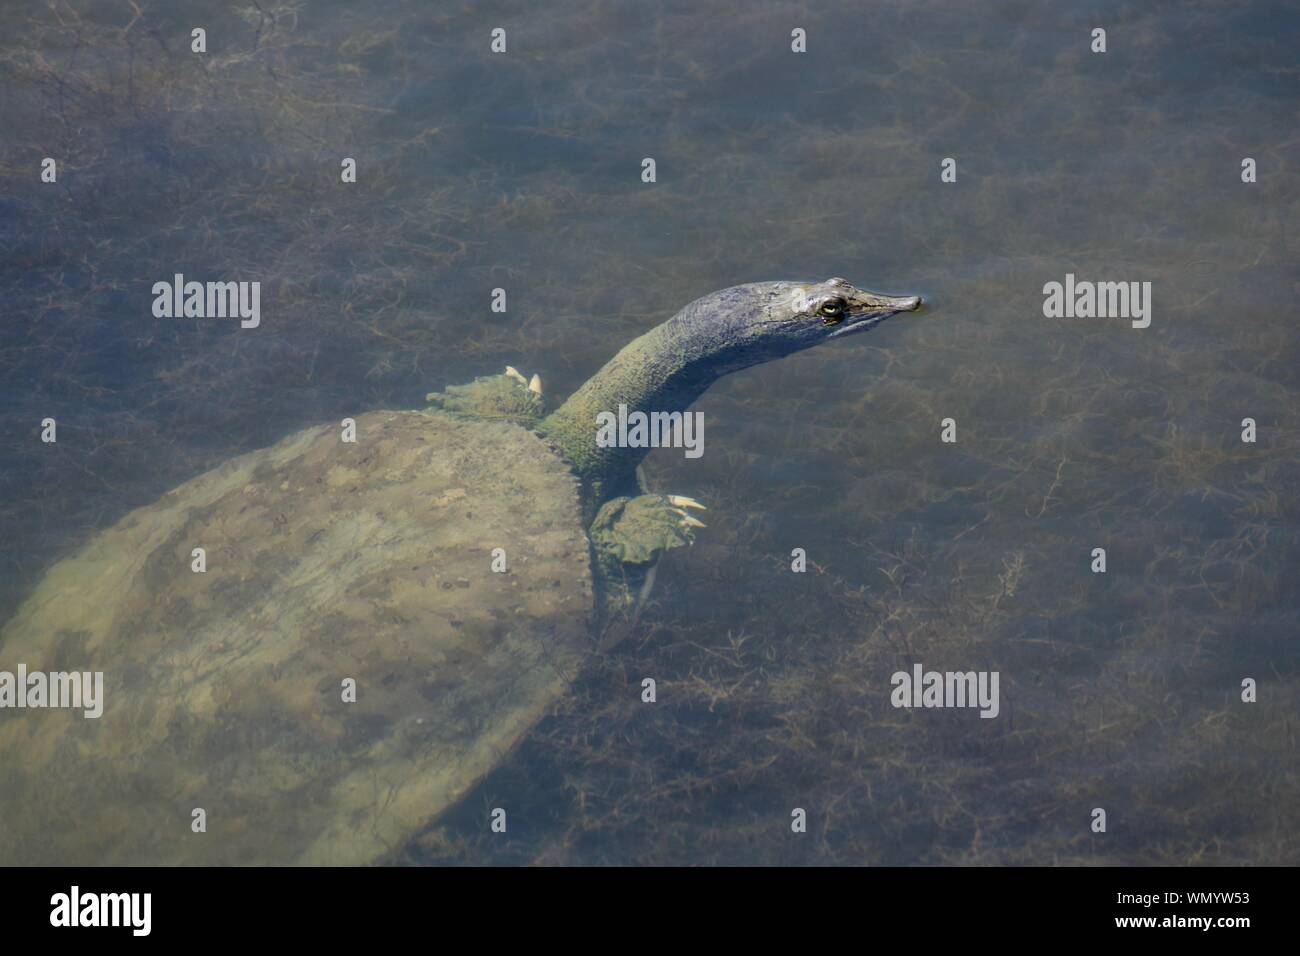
(523, 171)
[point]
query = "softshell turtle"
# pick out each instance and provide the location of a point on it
(353, 659)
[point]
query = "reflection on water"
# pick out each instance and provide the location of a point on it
(523, 171)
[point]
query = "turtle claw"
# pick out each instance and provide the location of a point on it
(533, 384)
(689, 520)
(681, 501)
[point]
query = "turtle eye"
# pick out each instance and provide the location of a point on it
(832, 307)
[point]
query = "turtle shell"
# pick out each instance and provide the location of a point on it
(327, 563)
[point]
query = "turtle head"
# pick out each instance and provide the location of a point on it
(672, 365)
(835, 308)
(750, 324)
(766, 320)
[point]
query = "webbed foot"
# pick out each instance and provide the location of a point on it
(509, 397)
(637, 530)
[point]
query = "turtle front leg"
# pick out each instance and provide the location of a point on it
(628, 535)
(507, 397)
(637, 530)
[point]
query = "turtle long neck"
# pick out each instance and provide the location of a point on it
(664, 370)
